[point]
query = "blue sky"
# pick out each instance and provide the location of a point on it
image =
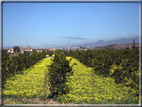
(61, 23)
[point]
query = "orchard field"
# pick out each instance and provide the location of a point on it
(86, 87)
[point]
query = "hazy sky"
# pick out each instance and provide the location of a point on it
(61, 23)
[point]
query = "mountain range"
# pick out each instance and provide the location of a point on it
(105, 43)
(98, 43)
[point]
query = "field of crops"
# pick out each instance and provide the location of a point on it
(85, 86)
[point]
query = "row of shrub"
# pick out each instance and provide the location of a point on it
(18, 63)
(121, 64)
(66, 52)
(58, 72)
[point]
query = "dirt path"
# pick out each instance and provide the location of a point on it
(31, 101)
(34, 101)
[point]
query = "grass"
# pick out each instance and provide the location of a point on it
(85, 86)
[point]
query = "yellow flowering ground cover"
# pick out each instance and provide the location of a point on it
(30, 84)
(47, 55)
(85, 86)
(53, 55)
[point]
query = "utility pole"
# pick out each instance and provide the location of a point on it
(53, 48)
(68, 46)
(46, 49)
(130, 42)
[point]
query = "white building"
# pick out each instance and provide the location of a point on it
(26, 49)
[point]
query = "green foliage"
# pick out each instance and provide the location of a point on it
(44, 54)
(5, 65)
(87, 87)
(66, 52)
(47, 51)
(119, 64)
(59, 70)
(84, 86)
(50, 53)
(18, 63)
(5, 56)
(16, 49)
(30, 83)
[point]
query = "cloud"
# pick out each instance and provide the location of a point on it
(69, 37)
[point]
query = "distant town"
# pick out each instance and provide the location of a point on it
(112, 46)
(88, 46)
(122, 43)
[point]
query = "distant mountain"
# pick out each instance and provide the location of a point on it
(124, 41)
(98, 43)
(105, 43)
